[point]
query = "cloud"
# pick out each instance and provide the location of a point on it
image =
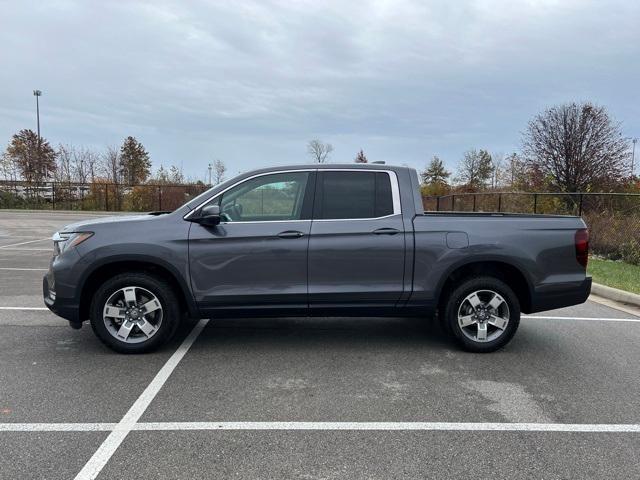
(251, 82)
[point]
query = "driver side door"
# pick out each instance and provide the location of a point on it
(256, 258)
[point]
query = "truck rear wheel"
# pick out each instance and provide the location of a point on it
(134, 312)
(482, 314)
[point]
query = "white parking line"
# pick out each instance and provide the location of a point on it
(24, 243)
(15, 269)
(441, 426)
(116, 428)
(99, 459)
(12, 249)
(27, 309)
(57, 427)
(593, 319)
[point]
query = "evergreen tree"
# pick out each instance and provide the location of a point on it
(435, 173)
(135, 164)
(361, 158)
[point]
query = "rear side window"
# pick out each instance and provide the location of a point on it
(343, 195)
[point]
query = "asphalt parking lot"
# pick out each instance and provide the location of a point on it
(309, 398)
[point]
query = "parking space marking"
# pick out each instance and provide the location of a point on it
(57, 427)
(16, 269)
(100, 458)
(593, 319)
(120, 431)
(405, 426)
(26, 249)
(26, 309)
(24, 243)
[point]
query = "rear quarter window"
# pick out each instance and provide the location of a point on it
(344, 195)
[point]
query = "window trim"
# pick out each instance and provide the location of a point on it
(393, 178)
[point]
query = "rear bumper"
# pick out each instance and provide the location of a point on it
(549, 297)
(63, 307)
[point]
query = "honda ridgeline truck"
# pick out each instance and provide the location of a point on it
(315, 240)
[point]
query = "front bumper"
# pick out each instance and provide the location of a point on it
(65, 308)
(558, 295)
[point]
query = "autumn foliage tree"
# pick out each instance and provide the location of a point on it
(33, 156)
(578, 147)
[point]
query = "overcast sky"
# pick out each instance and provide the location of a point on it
(251, 82)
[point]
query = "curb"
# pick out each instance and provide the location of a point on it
(615, 294)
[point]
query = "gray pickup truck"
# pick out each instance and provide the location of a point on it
(317, 240)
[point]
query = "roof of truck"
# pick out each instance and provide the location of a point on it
(332, 166)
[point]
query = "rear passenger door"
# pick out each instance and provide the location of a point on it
(357, 240)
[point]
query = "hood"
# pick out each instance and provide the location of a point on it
(88, 224)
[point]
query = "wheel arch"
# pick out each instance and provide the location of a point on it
(511, 274)
(114, 266)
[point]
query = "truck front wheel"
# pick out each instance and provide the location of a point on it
(482, 314)
(134, 312)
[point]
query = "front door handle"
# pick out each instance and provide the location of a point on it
(291, 234)
(386, 231)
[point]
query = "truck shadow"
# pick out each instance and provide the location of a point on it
(307, 331)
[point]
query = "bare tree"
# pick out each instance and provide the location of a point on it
(64, 172)
(110, 164)
(175, 175)
(84, 163)
(513, 172)
(219, 169)
(319, 151)
(8, 168)
(578, 147)
(497, 159)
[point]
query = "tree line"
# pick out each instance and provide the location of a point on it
(34, 161)
(573, 147)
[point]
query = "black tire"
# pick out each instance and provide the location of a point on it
(171, 314)
(458, 296)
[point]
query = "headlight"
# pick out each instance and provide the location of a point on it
(63, 241)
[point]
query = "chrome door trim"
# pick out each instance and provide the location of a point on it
(395, 194)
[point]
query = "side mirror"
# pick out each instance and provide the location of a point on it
(209, 215)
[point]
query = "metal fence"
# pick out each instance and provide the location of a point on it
(96, 196)
(613, 218)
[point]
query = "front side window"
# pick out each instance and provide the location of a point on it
(344, 195)
(272, 197)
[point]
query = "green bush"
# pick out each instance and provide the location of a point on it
(630, 252)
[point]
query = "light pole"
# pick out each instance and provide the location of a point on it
(210, 166)
(37, 94)
(633, 154)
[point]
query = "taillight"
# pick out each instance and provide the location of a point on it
(582, 246)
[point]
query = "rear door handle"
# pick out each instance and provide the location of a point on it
(291, 234)
(386, 231)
